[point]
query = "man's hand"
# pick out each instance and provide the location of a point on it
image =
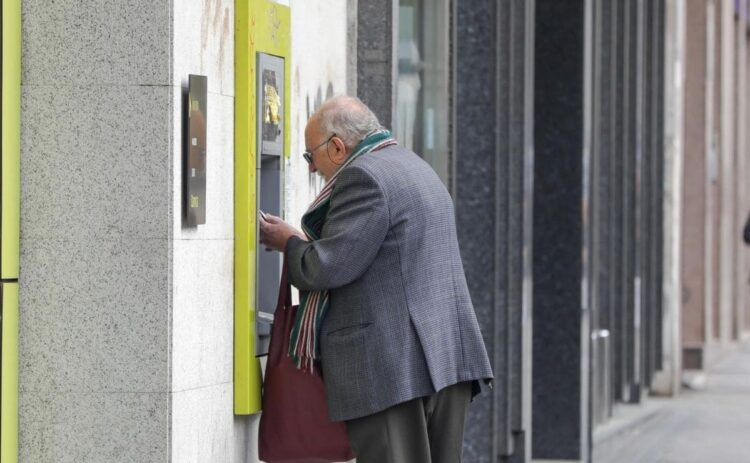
(274, 232)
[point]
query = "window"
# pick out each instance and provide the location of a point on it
(423, 84)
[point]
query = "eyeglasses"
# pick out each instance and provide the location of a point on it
(308, 154)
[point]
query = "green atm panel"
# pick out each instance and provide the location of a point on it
(261, 124)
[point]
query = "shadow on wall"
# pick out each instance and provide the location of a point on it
(312, 104)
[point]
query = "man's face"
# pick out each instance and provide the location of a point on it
(327, 152)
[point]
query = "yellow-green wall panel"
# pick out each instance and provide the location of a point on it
(10, 145)
(11, 138)
(260, 26)
(9, 380)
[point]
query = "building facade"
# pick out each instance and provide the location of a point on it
(595, 151)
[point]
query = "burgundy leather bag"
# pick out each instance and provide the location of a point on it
(294, 425)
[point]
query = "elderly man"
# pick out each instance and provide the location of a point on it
(384, 300)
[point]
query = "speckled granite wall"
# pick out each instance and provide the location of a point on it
(95, 227)
(475, 196)
(492, 181)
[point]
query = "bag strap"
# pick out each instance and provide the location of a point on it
(282, 319)
(285, 288)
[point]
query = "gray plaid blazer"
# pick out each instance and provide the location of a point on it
(400, 324)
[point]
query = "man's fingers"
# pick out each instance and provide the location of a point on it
(265, 226)
(273, 219)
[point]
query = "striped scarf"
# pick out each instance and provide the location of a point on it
(304, 346)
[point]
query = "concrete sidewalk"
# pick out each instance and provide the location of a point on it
(707, 424)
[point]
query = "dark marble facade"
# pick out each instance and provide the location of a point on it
(377, 29)
(492, 191)
(475, 193)
(597, 216)
(557, 177)
(560, 348)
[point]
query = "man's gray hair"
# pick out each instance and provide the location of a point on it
(348, 118)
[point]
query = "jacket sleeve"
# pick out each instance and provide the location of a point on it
(747, 231)
(353, 233)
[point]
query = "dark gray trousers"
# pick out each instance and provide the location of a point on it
(424, 430)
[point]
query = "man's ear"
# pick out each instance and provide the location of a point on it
(340, 148)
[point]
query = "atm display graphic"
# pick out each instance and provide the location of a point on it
(271, 107)
(271, 104)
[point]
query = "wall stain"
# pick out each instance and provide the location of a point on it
(215, 22)
(217, 15)
(225, 36)
(206, 24)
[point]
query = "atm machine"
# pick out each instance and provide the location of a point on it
(261, 144)
(270, 149)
